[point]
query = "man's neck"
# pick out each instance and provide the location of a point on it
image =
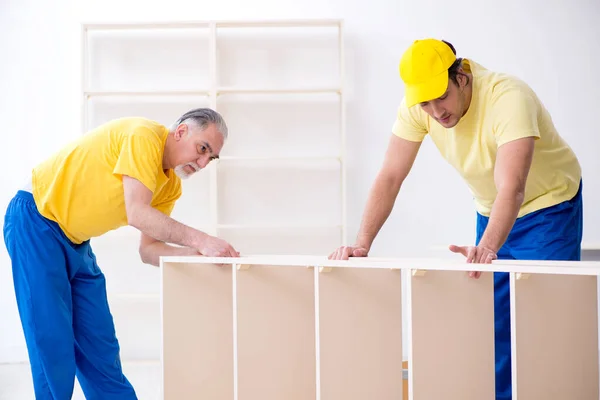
(468, 94)
(167, 153)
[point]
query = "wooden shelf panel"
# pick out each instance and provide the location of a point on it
(451, 336)
(276, 331)
(555, 337)
(360, 326)
(206, 366)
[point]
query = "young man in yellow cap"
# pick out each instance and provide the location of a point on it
(493, 129)
(124, 172)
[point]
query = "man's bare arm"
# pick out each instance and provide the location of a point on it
(155, 224)
(151, 250)
(513, 163)
(399, 159)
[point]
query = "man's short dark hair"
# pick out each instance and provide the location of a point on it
(453, 70)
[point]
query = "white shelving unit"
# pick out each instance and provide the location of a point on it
(280, 185)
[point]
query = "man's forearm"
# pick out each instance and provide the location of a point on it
(152, 252)
(502, 219)
(379, 206)
(163, 228)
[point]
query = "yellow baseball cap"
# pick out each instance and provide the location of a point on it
(424, 70)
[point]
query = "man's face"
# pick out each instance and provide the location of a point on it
(197, 148)
(449, 108)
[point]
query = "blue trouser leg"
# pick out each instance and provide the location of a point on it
(502, 351)
(96, 347)
(553, 233)
(61, 298)
(41, 274)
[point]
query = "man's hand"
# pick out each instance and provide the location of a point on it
(475, 255)
(212, 246)
(345, 252)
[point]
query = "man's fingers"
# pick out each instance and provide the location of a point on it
(232, 252)
(342, 253)
(475, 274)
(345, 252)
(480, 256)
(471, 254)
(458, 249)
(337, 254)
(334, 255)
(359, 252)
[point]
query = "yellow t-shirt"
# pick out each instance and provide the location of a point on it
(502, 109)
(80, 187)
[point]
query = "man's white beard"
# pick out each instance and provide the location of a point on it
(181, 173)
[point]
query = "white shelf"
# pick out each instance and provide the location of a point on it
(148, 93)
(290, 146)
(276, 227)
(290, 23)
(145, 25)
(207, 92)
(280, 158)
(291, 90)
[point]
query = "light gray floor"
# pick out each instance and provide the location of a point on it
(15, 381)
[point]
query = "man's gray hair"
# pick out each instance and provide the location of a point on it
(202, 118)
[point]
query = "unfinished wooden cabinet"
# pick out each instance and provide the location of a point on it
(298, 327)
(280, 331)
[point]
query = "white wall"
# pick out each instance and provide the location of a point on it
(549, 44)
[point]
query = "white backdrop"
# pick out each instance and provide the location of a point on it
(549, 44)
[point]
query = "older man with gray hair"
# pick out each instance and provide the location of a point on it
(125, 172)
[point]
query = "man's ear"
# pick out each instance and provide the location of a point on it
(463, 80)
(180, 131)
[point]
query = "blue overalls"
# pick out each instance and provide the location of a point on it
(553, 233)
